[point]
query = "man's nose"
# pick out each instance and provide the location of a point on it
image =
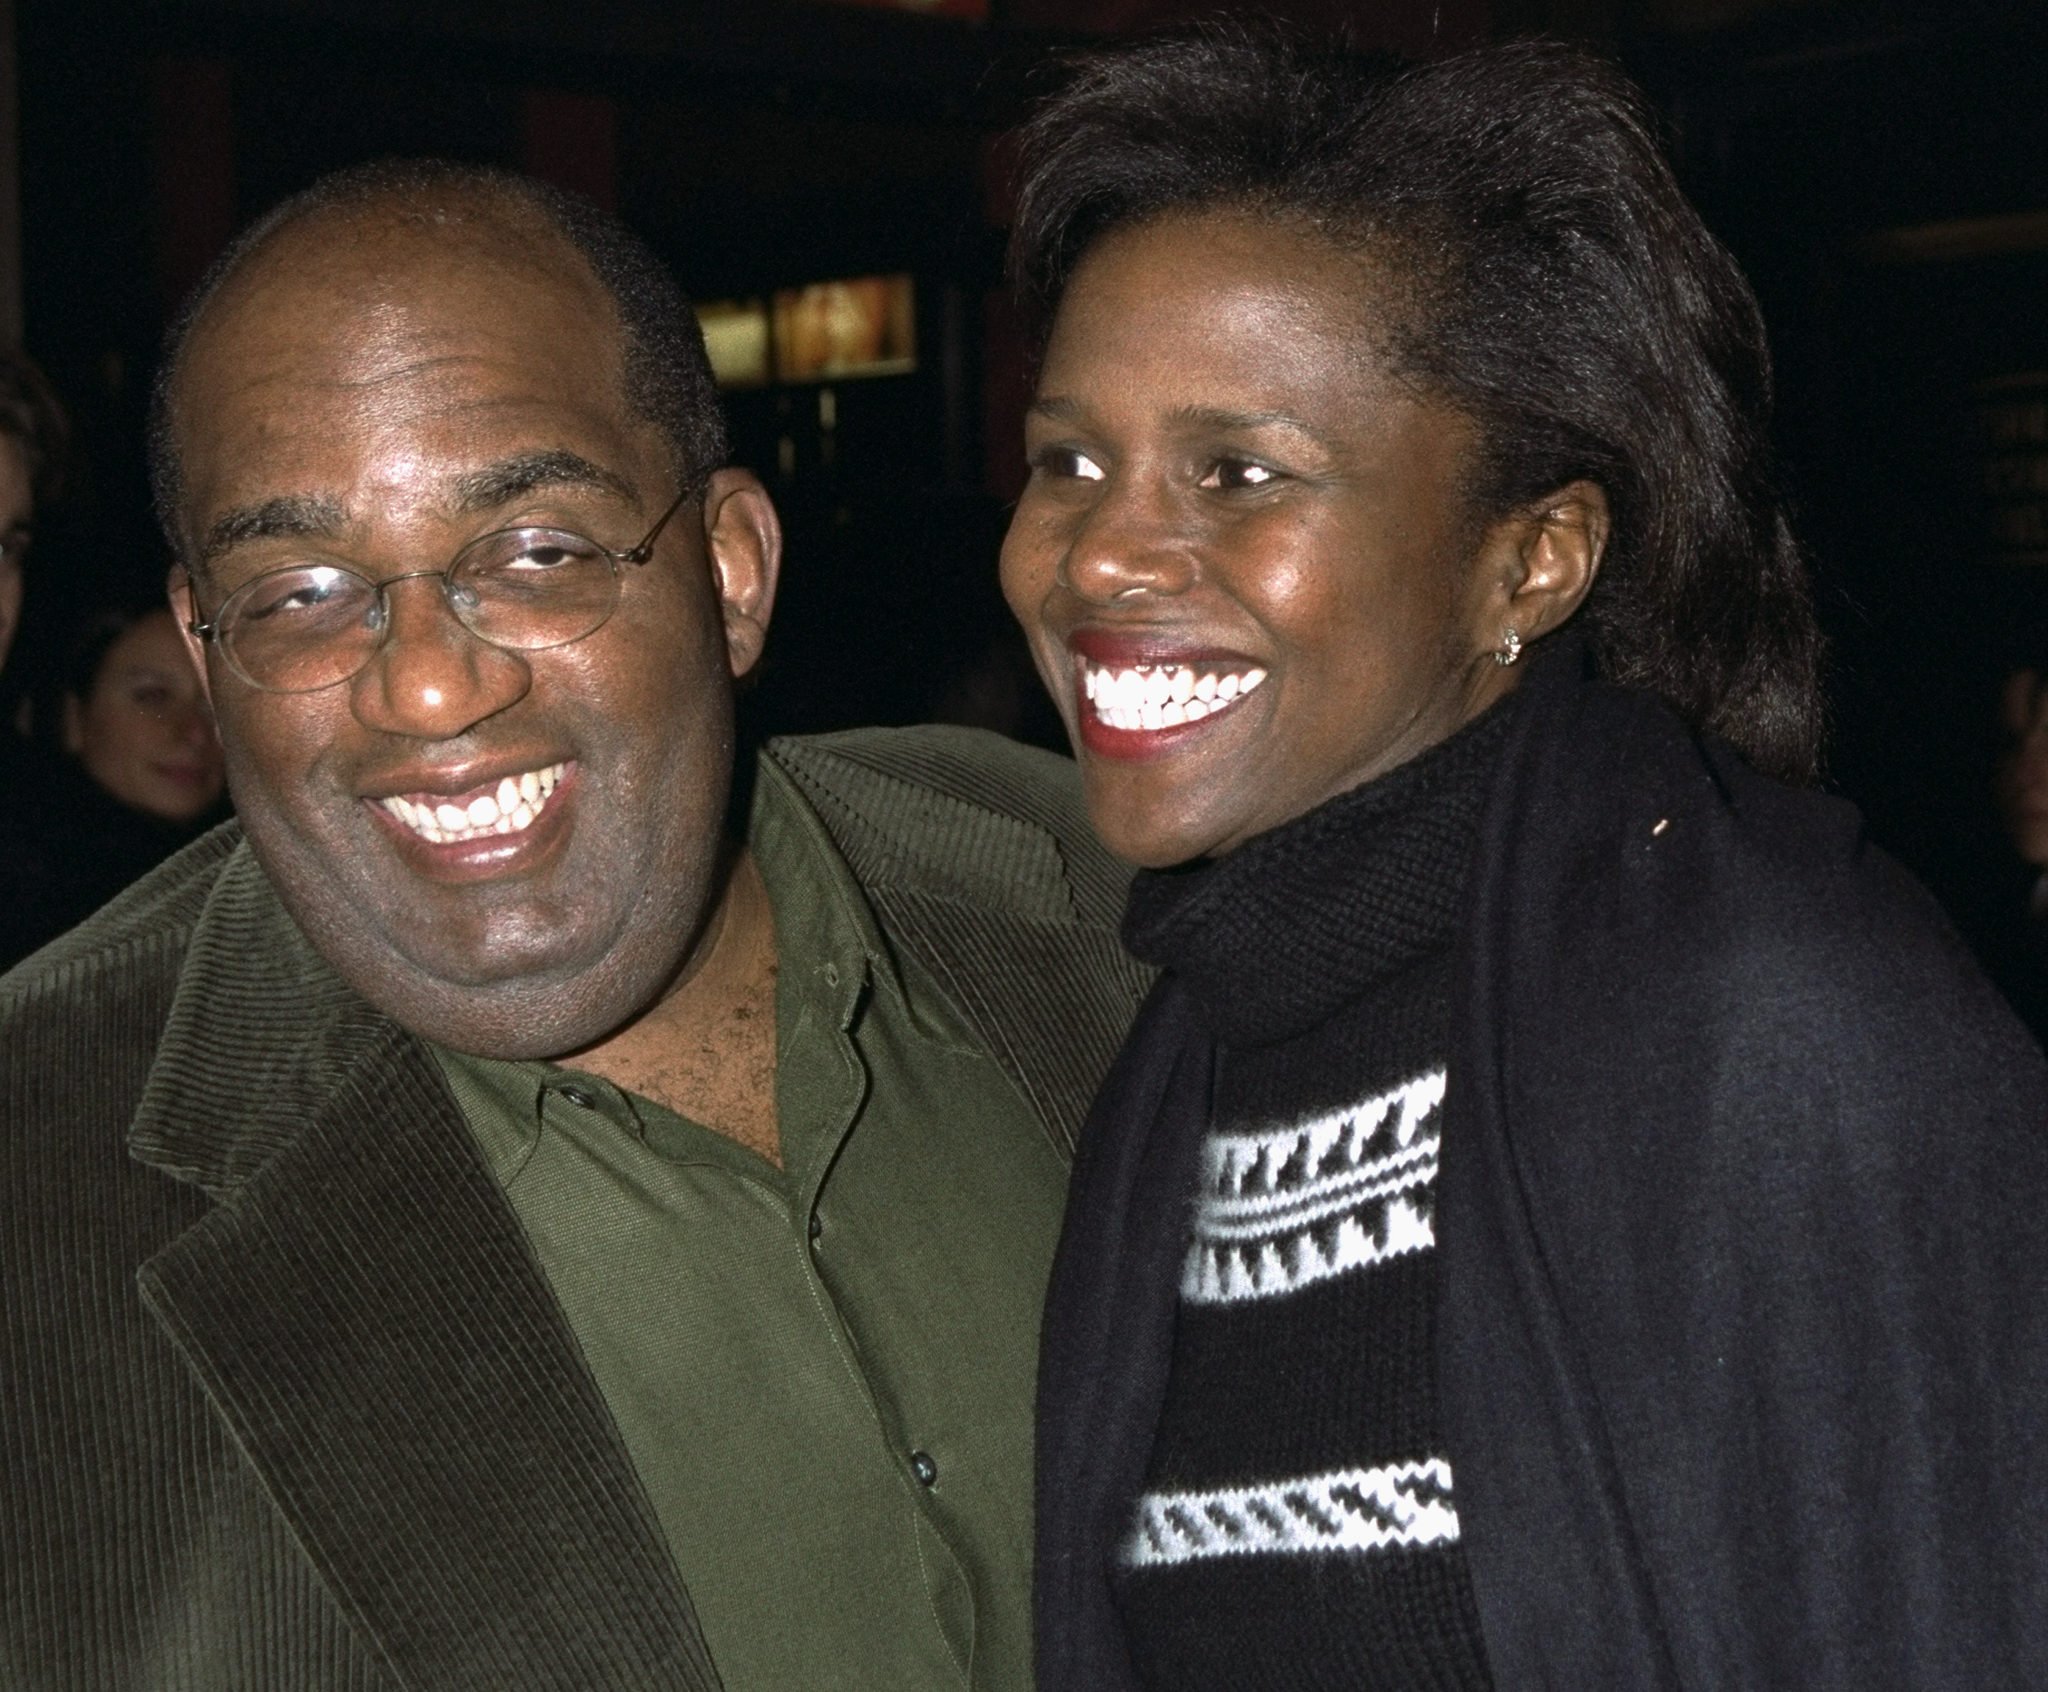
(1129, 541)
(433, 679)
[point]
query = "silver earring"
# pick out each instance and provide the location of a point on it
(1511, 648)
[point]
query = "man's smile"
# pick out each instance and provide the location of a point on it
(511, 806)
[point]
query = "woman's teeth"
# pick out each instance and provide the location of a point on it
(517, 801)
(1157, 696)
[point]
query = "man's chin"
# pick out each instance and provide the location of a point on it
(506, 1001)
(519, 1018)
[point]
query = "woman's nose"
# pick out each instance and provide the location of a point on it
(1129, 542)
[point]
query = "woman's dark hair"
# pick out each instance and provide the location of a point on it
(1558, 289)
(31, 415)
(94, 637)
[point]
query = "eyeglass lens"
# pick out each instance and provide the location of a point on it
(310, 626)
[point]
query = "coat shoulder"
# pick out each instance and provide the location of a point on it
(1684, 859)
(977, 857)
(974, 812)
(133, 937)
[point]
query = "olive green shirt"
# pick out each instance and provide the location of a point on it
(823, 1372)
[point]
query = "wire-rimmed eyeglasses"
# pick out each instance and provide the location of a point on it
(303, 627)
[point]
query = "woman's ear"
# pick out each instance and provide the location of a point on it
(1555, 545)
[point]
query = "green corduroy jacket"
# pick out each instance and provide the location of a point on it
(284, 1401)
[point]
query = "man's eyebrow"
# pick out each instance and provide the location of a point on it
(315, 515)
(286, 516)
(513, 478)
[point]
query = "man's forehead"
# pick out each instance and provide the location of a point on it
(349, 338)
(331, 284)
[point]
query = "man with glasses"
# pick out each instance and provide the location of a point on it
(478, 1222)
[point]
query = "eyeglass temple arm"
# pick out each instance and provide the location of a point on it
(645, 550)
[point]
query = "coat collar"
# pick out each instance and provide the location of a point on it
(977, 856)
(363, 1313)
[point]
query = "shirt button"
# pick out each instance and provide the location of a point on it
(817, 1228)
(579, 1096)
(922, 1466)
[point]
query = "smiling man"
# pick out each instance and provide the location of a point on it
(481, 1221)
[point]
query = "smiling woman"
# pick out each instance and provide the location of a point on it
(1560, 1220)
(136, 719)
(136, 773)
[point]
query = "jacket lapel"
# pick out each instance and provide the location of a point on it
(1108, 1341)
(361, 1310)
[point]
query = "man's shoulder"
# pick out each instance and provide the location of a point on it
(959, 811)
(81, 1024)
(135, 941)
(976, 856)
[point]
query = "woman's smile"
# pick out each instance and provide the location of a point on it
(1131, 695)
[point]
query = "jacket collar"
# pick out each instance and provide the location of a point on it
(1014, 916)
(363, 1312)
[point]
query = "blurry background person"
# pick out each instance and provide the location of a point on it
(140, 774)
(2003, 906)
(137, 723)
(32, 440)
(33, 436)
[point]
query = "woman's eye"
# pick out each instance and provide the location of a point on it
(1070, 462)
(1229, 473)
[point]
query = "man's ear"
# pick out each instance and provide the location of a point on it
(743, 540)
(185, 612)
(1546, 558)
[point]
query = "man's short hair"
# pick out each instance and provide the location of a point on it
(668, 378)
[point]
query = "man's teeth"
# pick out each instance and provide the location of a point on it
(517, 801)
(1157, 696)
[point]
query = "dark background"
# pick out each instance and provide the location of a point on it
(1879, 166)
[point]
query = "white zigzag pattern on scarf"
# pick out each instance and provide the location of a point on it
(1362, 1178)
(1346, 1510)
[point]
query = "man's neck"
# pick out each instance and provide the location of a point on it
(707, 1050)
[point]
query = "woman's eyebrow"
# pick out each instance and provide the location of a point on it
(1056, 408)
(1222, 417)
